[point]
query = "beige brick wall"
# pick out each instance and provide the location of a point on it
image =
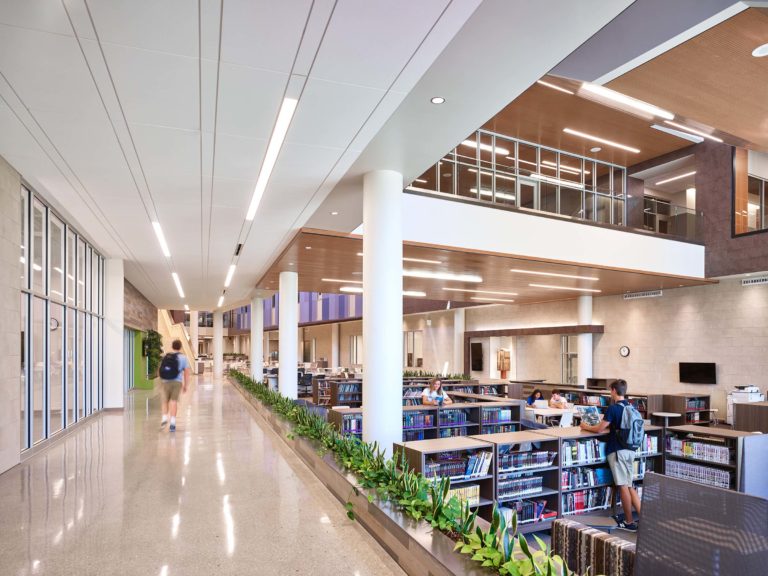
(437, 339)
(139, 313)
(10, 320)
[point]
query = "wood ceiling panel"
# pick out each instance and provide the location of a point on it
(335, 255)
(712, 78)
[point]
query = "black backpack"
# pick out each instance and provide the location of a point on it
(169, 367)
(630, 434)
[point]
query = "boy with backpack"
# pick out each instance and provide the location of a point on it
(174, 375)
(626, 436)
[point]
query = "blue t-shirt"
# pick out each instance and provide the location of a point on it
(613, 415)
(183, 364)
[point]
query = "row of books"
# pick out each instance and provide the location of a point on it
(498, 428)
(699, 450)
(514, 487)
(649, 445)
(352, 423)
(527, 511)
(492, 415)
(448, 465)
(577, 452)
(418, 420)
(585, 477)
(639, 468)
(513, 461)
(411, 435)
(489, 390)
(701, 474)
(469, 493)
(696, 404)
(694, 417)
(451, 432)
(586, 500)
(350, 387)
(452, 417)
(412, 397)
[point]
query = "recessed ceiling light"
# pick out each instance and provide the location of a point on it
(161, 239)
(760, 51)
(415, 293)
(230, 273)
(421, 260)
(675, 178)
(620, 98)
(284, 117)
(290, 263)
(595, 149)
(601, 140)
(334, 213)
(178, 284)
(437, 100)
(553, 86)
(221, 301)
(338, 281)
(480, 291)
(486, 147)
(563, 288)
(186, 307)
(420, 180)
(308, 247)
(481, 299)
(352, 289)
(442, 276)
(555, 274)
(689, 129)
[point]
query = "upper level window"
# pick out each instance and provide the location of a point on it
(750, 170)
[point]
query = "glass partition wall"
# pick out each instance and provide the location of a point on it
(489, 167)
(62, 308)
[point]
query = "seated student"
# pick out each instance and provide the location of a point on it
(557, 401)
(535, 395)
(434, 394)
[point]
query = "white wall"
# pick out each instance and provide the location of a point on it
(114, 286)
(437, 339)
(436, 221)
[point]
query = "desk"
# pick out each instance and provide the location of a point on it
(546, 415)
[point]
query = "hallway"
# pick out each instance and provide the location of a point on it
(221, 495)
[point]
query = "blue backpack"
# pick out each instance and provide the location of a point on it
(630, 433)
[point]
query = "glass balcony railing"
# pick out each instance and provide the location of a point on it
(493, 169)
(670, 219)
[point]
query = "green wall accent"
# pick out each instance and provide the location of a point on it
(140, 364)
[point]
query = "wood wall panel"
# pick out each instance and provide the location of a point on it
(741, 191)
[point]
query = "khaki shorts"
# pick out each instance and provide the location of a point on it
(170, 390)
(621, 467)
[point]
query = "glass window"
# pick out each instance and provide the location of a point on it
(755, 206)
(23, 392)
(71, 258)
(446, 174)
(56, 260)
(38, 247)
(95, 285)
(466, 184)
(94, 363)
(80, 365)
(56, 367)
(80, 273)
(87, 391)
(71, 366)
(38, 365)
(88, 291)
(24, 237)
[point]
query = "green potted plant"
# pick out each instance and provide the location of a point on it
(153, 350)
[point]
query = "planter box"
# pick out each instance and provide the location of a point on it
(414, 545)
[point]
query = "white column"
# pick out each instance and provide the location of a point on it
(288, 334)
(218, 343)
(584, 347)
(114, 283)
(319, 307)
(459, 326)
(382, 308)
(194, 335)
(334, 346)
(257, 338)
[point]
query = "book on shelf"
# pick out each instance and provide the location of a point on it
(418, 420)
(350, 387)
(589, 414)
(701, 474)
(520, 461)
(696, 403)
(456, 416)
(699, 450)
(496, 415)
(586, 500)
(451, 432)
(489, 390)
(449, 464)
(411, 435)
(577, 452)
(352, 423)
(520, 486)
(498, 428)
(412, 397)
(527, 511)
(585, 478)
(648, 445)
(469, 493)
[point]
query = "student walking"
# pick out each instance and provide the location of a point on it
(174, 375)
(626, 434)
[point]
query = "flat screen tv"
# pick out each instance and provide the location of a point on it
(476, 356)
(698, 372)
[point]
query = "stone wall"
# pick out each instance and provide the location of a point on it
(10, 319)
(140, 313)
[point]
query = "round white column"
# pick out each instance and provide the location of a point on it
(218, 343)
(288, 334)
(383, 308)
(584, 346)
(194, 332)
(257, 339)
(334, 360)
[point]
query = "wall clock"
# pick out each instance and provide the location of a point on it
(624, 351)
(54, 324)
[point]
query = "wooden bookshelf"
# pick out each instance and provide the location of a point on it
(730, 459)
(694, 409)
(646, 404)
(321, 391)
(347, 420)
(346, 392)
(751, 416)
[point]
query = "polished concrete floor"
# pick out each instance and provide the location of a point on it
(221, 495)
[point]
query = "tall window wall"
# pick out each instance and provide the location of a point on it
(62, 324)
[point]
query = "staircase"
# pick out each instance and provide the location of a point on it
(171, 331)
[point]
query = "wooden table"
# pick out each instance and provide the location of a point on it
(547, 414)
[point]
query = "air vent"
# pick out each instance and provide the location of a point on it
(237, 250)
(646, 294)
(754, 281)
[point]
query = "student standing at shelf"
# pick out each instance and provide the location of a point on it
(620, 458)
(535, 395)
(557, 401)
(434, 395)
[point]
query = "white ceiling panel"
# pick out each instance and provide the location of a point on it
(249, 99)
(361, 45)
(231, 193)
(42, 15)
(263, 33)
(166, 26)
(155, 87)
(330, 114)
(238, 158)
(302, 168)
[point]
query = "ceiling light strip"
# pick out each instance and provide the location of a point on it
(679, 177)
(178, 284)
(678, 133)
(482, 299)
(486, 147)
(161, 239)
(220, 302)
(473, 291)
(620, 98)
(693, 130)
(230, 273)
(352, 289)
(340, 281)
(421, 260)
(442, 276)
(555, 274)
(273, 150)
(601, 140)
(414, 293)
(554, 87)
(563, 288)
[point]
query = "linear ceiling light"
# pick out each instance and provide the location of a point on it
(480, 299)
(275, 143)
(421, 260)
(415, 293)
(420, 180)
(178, 284)
(563, 288)
(678, 133)
(557, 181)
(220, 302)
(554, 87)
(484, 192)
(161, 239)
(480, 291)
(565, 168)
(230, 273)
(186, 307)
(555, 274)
(486, 147)
(660, 182)
(353, 289)
(442, 276)
(693, 130)
(339, 281)
(601, 140)
(620, 98)
(486, 173)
